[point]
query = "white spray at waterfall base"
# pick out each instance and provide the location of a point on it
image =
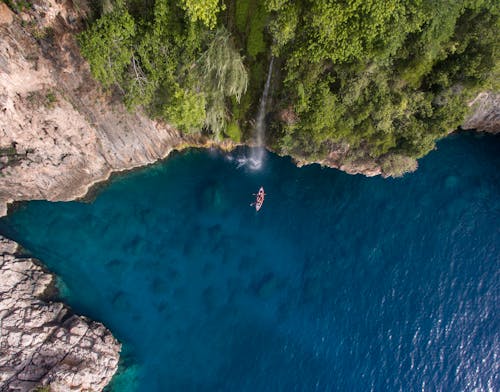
(254, 160)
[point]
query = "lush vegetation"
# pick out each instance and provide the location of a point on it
(387, 78)
(384, 76)
(168, 57)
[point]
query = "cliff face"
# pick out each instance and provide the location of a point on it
(42, 343)
(59, 133)
(486, 114)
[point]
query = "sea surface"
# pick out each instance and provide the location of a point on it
(339, 282)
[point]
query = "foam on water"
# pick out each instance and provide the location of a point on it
(252, 158)
(339, 283)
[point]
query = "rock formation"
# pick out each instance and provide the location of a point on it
(486, 113)
(43, 343)
(59, 133)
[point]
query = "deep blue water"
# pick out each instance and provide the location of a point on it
(339, 283)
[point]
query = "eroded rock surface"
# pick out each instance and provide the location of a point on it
(44, 343)
(59, 132)
(486, 113)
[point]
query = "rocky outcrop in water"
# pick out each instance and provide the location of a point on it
(42, 342)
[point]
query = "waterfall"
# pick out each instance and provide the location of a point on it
(257, 153)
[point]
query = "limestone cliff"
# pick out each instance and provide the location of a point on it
(59, 133)
(43, 343)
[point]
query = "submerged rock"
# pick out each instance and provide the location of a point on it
(42, 343)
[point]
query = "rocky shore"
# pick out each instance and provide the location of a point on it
(42, 343)
(486, 113)
(59, 135)
(485, 117)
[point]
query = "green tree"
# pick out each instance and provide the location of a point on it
(386, 78)
(203, 10)
(186, 110)
(107, 45)
(221, 74)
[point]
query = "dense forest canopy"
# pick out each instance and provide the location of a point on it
(385, 77)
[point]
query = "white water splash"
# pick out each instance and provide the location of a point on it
(247, 162)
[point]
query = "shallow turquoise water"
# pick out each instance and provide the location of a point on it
(339, 283)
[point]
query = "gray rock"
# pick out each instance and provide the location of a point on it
(43, 342)
(485, 113)
(59, 132)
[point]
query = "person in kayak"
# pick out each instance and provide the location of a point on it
(259, 200)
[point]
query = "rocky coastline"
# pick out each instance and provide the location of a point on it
(42, 343)
(60, 134)
(485, 115)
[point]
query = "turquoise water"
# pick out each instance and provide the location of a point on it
(339, 283)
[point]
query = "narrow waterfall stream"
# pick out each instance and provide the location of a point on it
(257, 154)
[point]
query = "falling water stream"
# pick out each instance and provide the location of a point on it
(257, 153)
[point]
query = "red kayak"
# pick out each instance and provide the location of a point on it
(259, 200)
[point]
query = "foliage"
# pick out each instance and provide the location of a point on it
(186, 110)
(39, 34)
(167, 62)
(385, 77)
(40, 388)
(203, 10)
(107, 45)
(242, 8)
(50, 99)
(221, 67)
(389, 78)
(233, 131)
(19, 6)
(283, 26)
(257, 22)
(222, 74)
(396, 165)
